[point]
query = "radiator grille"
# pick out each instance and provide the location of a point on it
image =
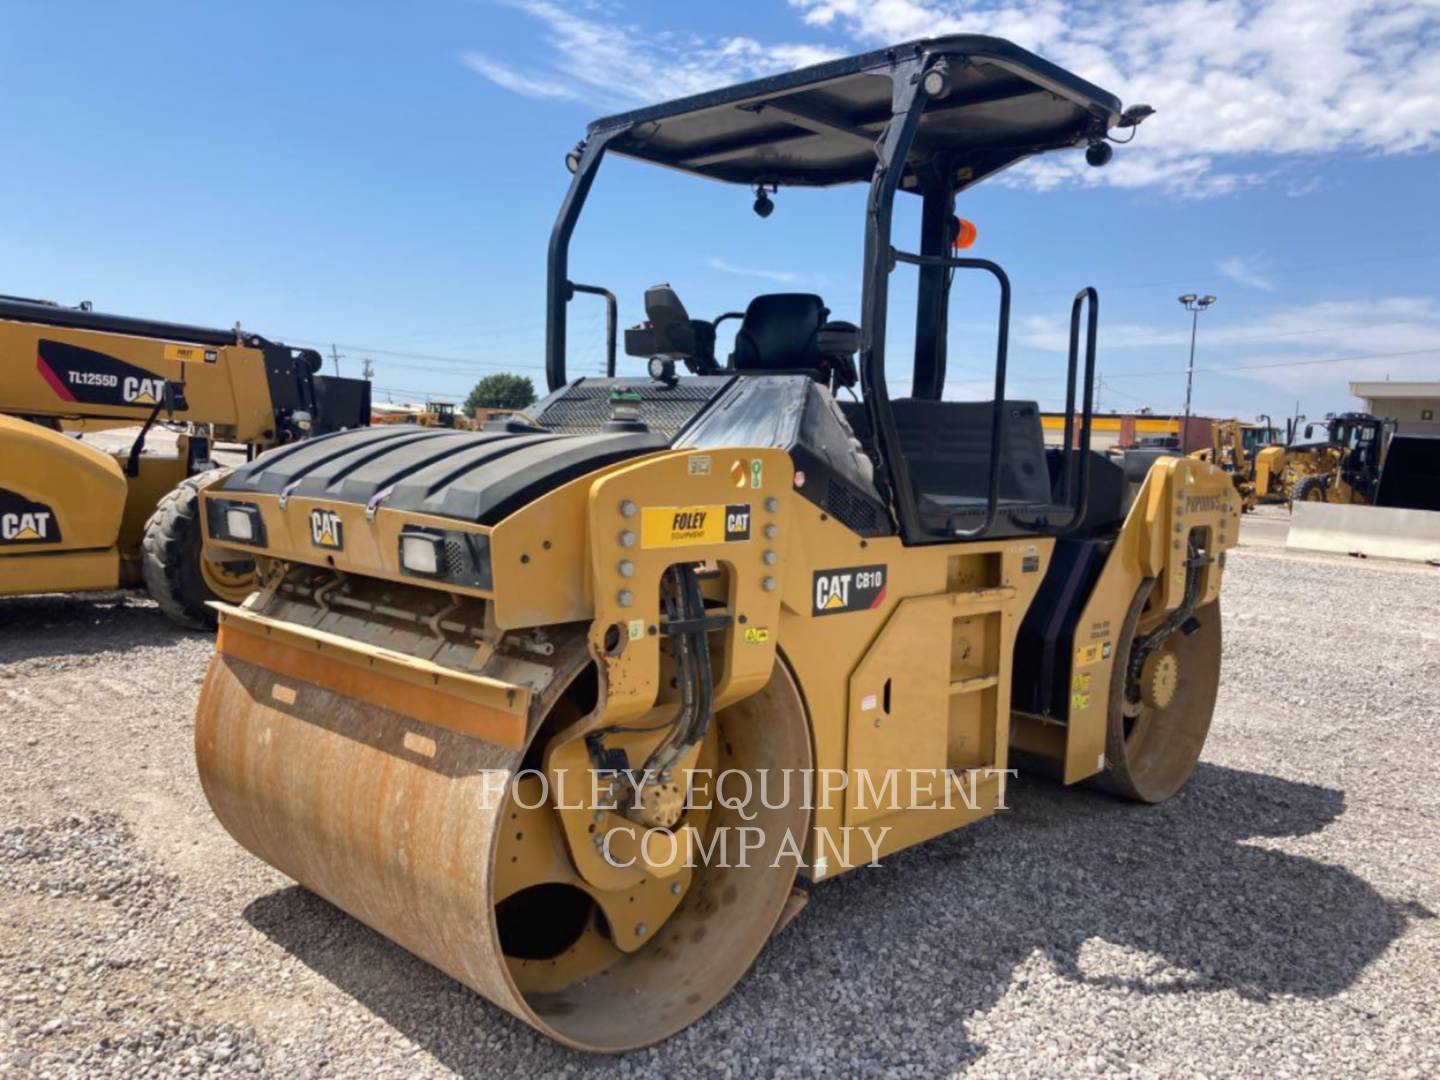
(584, 408)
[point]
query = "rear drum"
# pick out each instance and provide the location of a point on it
(1161, 705)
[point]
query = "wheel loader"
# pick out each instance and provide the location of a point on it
(76, 518)
(576, 707)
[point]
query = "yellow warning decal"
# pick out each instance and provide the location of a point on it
(679, 526)
(757, 635)
(191, 354)
(1093, 653)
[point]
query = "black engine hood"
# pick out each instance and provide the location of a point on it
(474, 476)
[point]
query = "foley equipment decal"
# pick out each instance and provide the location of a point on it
(93, 378)
(679, 526)
(848, 588)
(191, 354)
(26, 522)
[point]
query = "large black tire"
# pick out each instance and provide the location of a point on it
(170, 556)
(1308, 489)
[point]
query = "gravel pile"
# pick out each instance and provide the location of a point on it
(1276, 918)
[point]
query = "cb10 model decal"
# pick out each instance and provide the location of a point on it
(848, 588)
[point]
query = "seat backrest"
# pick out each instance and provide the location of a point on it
(947, 448)
(779, 333)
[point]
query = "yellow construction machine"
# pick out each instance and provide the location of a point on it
(1337, 460)
(1227, 452)
(75, 518)
(1237, 448)
(569, 705)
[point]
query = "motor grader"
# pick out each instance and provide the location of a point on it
(76, 518)
(1338, 460)
(573, 706)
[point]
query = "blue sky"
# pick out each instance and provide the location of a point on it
(384, 176)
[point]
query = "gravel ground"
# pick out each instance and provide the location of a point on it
(1277, 918)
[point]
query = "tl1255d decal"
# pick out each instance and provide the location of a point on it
(93, 378)
(26, 522)
(848, 588)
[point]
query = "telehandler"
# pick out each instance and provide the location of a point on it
(75, 518)
(565, 705)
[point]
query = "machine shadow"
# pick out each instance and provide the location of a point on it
(35, 627)
(1183, 883)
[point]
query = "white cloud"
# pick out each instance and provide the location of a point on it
(598, 58)
(780, 277)
(516, 82)
(1244, 89)
(1247, 270)
(1237, 83)
(1301, 347)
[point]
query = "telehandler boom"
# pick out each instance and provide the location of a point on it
(74, 518)
(565, 706)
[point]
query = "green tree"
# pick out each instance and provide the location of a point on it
(501, 391)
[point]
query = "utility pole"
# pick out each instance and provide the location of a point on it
(367, 369)
(1193, 304)
(335, 357)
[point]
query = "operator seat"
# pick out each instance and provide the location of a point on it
(790, 332)
(779, 333)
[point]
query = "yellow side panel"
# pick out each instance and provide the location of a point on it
(56, 494)
(1179, 495)
(928, 701)
(69, 372)
(74, 571)
(159, 475)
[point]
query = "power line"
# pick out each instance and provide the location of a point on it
(1220, 370)
(1281, 364)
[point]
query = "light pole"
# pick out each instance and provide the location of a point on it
(1193, 304)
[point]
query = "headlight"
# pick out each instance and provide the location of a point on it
(239, 525)
(238, 522)
(422, 553)
(460, 558)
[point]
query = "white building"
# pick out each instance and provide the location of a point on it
(1416, 405)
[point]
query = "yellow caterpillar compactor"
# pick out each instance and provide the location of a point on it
(566, 705)
(75, 518)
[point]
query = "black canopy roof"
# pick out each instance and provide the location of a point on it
(819, 125)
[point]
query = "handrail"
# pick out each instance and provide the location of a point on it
(611, 319)
(1089, 300)
(1002, 350)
